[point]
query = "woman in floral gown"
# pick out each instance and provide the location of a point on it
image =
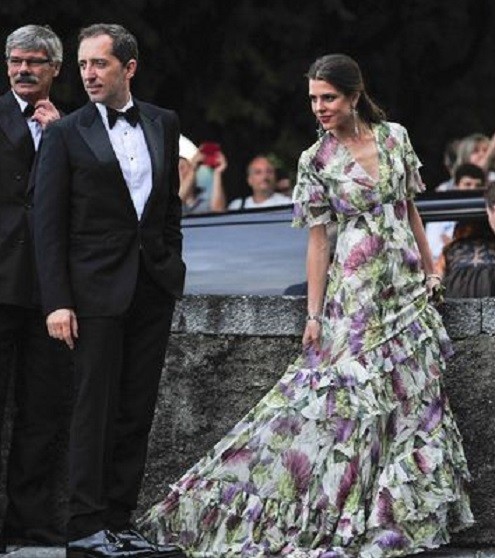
(355, 451)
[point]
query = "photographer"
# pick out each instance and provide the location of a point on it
(201, 177)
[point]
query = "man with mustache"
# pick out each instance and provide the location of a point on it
(42, 368)
(108, 248)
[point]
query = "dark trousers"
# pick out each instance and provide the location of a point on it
(118, 364)
(42, 396)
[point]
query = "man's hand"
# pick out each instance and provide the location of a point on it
(45, 112)
(62, 324)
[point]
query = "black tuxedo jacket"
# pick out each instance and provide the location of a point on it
(88, 238)
(17, 154)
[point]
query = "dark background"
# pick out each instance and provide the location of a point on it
(234, 69)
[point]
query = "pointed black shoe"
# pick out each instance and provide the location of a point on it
(104, 544)
(134, 540)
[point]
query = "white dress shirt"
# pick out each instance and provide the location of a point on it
(131, 150)
(34, 127)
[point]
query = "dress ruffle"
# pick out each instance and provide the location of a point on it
(362, 457)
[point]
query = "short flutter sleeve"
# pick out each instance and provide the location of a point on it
(310, 196)
(414, 182)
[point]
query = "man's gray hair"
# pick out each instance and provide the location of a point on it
(36, 37)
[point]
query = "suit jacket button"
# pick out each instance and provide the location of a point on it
(18, 177)
(21, 241)
(28, 205)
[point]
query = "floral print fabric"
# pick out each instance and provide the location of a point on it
(355, 451)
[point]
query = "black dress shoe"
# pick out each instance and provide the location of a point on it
(133, 540)
(104, 544)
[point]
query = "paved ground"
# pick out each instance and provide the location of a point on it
(52, 552)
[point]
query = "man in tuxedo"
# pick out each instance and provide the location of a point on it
(108, 247)
(41, 367)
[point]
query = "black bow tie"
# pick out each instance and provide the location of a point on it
(131, 115)
(28, 111)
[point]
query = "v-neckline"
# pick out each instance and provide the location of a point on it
(376, 180)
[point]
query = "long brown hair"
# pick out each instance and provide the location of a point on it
(343, 73)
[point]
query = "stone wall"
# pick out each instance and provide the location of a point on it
(225, 353)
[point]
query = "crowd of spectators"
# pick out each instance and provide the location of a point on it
(464, 252)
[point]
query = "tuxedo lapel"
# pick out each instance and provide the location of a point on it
(94, 133)
(15, 128)
(154, 133)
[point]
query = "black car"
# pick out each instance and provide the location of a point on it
(256, 252)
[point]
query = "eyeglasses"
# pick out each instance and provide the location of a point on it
(30, 62)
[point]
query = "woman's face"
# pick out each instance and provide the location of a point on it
(330, 106)
(477, 157)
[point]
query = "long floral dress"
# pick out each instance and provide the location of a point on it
(355, 451)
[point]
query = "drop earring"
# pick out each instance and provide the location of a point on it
(355, 121)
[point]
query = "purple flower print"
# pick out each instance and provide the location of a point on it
(362, 253)
(253, 514)
(385, 508)
(330, 402)
(358, 327)
(348, 168)
(334, 309)
(341, 205)
(186, 538)
(297, 211)
(390, 142)
(286, 426)
(322, 503)
(422, 462)
(287, 390)
(410, 258)
(325, 151)
(313, 357)
(375, 451)
(299, 467)
(230, 493)
(346, 483)
(392, 540)
(433, 415)
(170, 502)
(210, 518)
(400, 209)
(236, 455)
(415, 328)
(398, 385)
(344, 430)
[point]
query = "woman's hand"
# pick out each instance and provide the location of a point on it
(312, 336)
(434, 288)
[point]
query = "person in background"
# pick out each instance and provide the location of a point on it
(469, 260)
(42, 367)
(449, 162)
(467, 176)
(283, 184)
(193, 172)
(477, 149)
(109, 256)
(261, 178)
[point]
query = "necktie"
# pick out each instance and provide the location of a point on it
(28, 111)
(131, 115)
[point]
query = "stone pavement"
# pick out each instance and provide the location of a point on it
(445, 552)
